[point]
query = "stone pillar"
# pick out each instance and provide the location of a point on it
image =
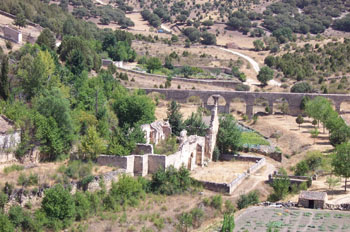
(337, 107)
(210, 138)
(271, 107)
(249, 111)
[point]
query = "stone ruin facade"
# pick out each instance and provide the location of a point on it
(12, 34)
(10, 137)
(194, 151)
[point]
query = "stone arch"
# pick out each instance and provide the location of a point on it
(195, 100)
(221, 101)
(281, 106)
(259, 106)
(238, 105)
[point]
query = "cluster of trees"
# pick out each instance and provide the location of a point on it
(57, 105)
(153, 19)
(194, 124)
(195, 35)
(59, 208)
(322, 111)
(312, 61)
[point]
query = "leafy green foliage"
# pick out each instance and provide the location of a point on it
(280, 186)
(167, 147)
(54, 124)
(194, 125)
(133, 109)
(58, 204)
(175, 118)
(127, 191)
(91, 145)
(47, 39)
(340, 162)
(171, 181)
(265, 74)
(301, 87)
(228, 224)
(5, 224)
(245, 200)
(229, 135)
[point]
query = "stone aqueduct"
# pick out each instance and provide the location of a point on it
(293, 99)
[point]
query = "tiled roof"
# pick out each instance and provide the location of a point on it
(312, 195)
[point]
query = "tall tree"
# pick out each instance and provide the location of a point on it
(47, 39)
(175, 118)
(229, 135)
(20, 20)
(265, 75)
(341, 161)
(4, 80)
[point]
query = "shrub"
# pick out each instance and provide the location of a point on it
(229, 207)
(216, 202)
(171, 181)
(78, 169)
(127, 191)
(32, 179)
(247, 199)
(280, 186)
(302, 168)
(82, 206)
(3, 200)
(13, 168)
(167, 147)
(301, 87)
(58, 205)
(228, 224)
(5, 224)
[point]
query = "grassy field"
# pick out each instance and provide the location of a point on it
(253, 138)
(262, 218)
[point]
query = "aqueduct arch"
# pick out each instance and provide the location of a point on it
(294, 99)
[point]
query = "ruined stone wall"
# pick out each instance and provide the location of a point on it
(8, 145)
(124, 162)
(230, 187)
(156, 131)
(12, 34)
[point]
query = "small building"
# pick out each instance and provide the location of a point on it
(106, 62)
(312, 199)
(12, 34)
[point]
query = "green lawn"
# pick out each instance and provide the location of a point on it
(253, 138)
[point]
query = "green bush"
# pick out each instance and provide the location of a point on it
(58, 205)
(228, 224)
(32, 179)
(216, 202)
(12, 168)
(127, 191)
(3, 200)
(171, 181)
(247, 199)
(82, 206)
(5, 224)
(302, 168)
(77, 169)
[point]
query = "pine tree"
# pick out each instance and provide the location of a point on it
(175, 118)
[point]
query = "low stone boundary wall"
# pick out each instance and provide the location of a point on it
(219, 83)
(230, 187)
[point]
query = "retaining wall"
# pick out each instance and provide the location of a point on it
(230, 187)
